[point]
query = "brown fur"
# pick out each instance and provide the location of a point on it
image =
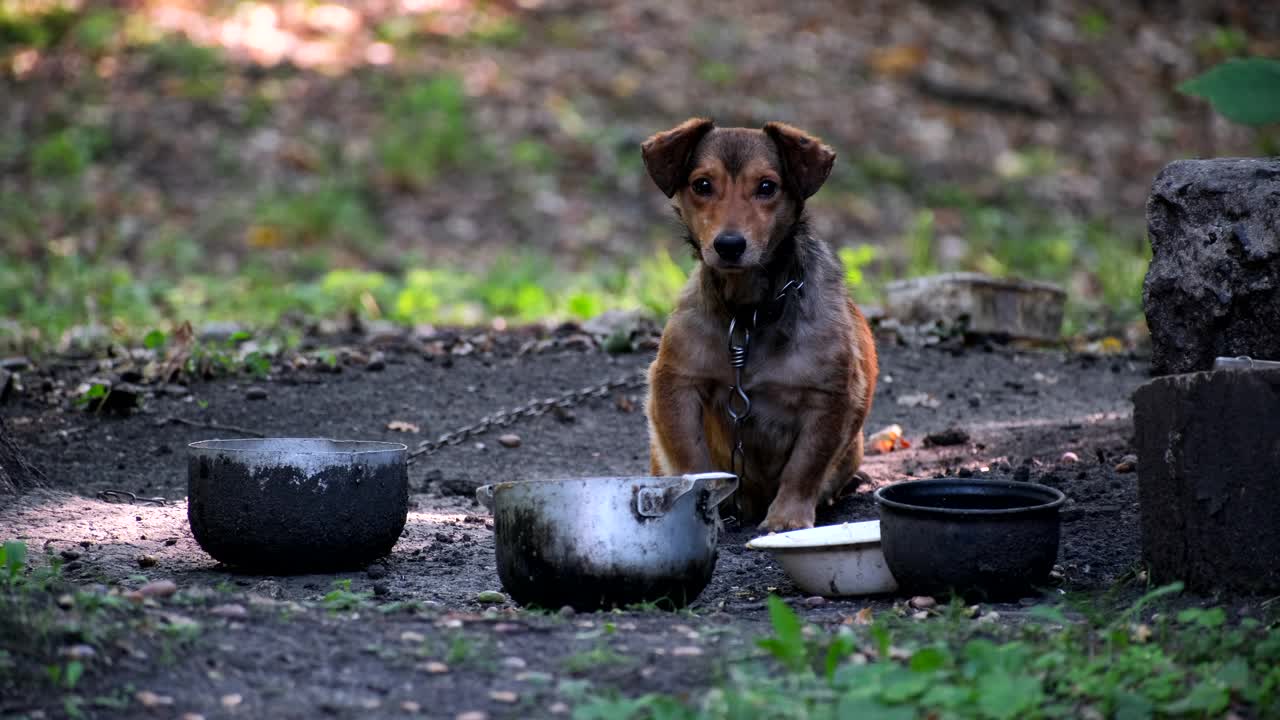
(811, 371)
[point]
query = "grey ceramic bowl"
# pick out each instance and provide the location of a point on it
(287, 505)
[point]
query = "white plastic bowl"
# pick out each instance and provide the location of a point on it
(832, 560)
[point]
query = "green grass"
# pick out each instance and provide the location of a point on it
(427, 131)
(1130, 662)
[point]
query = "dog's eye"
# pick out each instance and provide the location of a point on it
(702, 186)
(766, 189)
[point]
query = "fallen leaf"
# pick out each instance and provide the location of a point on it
(897, 60)
(402, 426)
(863, 617)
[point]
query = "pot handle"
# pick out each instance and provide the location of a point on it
(719, 485)
(484, 496)
(656, 501)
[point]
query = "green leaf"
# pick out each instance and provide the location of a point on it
(841, 647)
(1244, 90)
(1235, 674)
(72, 674)
(929, 659)
(900, 685)
(13, 558)
(862, 708)
(1049, 613)
(1004, 696)
(787, 645)
(1206, 697)
(1209, 618)
(1131, 706)
(154, 340)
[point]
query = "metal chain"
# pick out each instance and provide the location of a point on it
(739, 405)
(532, 409)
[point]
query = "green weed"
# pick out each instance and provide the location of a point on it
(428, 132)
(342, 599)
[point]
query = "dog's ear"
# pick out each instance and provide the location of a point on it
(806, 161)
(667, 154)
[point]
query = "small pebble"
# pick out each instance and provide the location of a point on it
(920, 615)
(158, 588)
(148, 699)
(171, 542)
(192, 716)
(410, 636)
(381, 589)
(232, 700)
(510, 440)
(410, 707)
(146, 561)
(989, 617)
(1127, 464)
(1022, 474)
(558, 708)
(1069, 457)
(434, 667)
(255, 393)
(370, 703)
(230, 611)
(514, 663)
(567, 611)
(686, 651)
(377, 362)
(70, 555)
(504, 696)
(490, 597)
(79, 652)
(923, 602)
(472, 715)
(66, 602)
(376, 572)
(815, 601)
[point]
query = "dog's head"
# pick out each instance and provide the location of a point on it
(739, 190)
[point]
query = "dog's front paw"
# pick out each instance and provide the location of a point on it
(788, 516)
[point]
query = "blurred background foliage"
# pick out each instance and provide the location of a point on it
(457, 161)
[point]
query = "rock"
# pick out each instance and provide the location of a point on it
(70, 555)
(79, 652)
(558, 708)
(950, 436)
(1069, 458)
(815, 601)
(923, 602)
(514, 663)
(381, 589)
(149, 699)
(255, 393)
(192, 716)
(146, 561)
(410, 636)
(231, 611)
(686, 651)
(566, 611)
(15, 364)
(490, 597)
(1213, 286)
(1207, 457)
(377, 362)
(980, 304)
(1127, 464)
(220, 331)
(232, 701)
(472, 715)
(509, 440)
(410, 707)
(158, 588)
(504, 696)
(434, 667)
(1022, 473)
(6, 382)
(376, 571)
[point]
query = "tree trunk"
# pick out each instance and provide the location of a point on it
(16, 473)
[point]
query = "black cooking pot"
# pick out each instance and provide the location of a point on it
(980, 539)
(288, 505)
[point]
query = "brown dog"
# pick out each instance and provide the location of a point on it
(811, 365)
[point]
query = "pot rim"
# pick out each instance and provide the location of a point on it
(1058, 498)
(360, 447)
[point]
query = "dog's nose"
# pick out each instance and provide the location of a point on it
(730, 245)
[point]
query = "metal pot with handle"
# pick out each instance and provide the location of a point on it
(594, 543)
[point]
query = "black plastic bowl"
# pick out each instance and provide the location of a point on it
(291, 505)
(980, 539)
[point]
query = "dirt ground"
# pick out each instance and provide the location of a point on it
(287, 656)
